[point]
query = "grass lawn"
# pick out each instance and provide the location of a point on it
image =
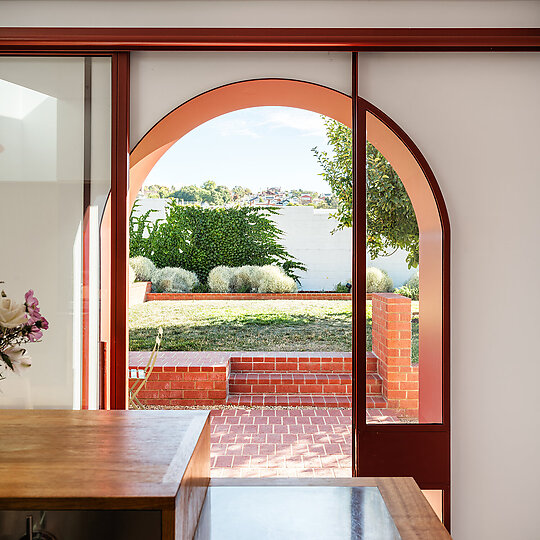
(250, 325)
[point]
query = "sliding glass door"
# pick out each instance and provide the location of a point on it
(55, 148)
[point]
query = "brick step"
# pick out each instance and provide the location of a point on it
(303, 362)
(373, 384)
(303, 400)
(299, 383)
(290, 383)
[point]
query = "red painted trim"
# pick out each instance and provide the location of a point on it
(358, 264)
(119, 231)
(328, 39)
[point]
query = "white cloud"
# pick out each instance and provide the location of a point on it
(308, 122)
(227, 127)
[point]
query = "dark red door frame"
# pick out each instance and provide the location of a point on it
(324, 39)
(118, 345)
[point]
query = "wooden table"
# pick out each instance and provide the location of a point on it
(125, 461)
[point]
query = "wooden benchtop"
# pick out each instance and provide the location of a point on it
(96, 459)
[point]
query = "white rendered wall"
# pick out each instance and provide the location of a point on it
(179, 76)
(271, 13)
(475, 117)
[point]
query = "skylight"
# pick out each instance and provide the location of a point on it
(17, 101)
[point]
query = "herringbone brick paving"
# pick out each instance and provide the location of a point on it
(284, 442)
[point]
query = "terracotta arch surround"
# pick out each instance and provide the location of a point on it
(393, 143)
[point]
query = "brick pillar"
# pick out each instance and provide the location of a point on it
(391, 337)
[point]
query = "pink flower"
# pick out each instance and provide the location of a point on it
(44, 323)
(35, 334)
(32, 308)
(30, 300)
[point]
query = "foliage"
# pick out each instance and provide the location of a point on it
(343, 287)
(378, 280)
(199, 239)
(238, 192)
(244, 279)
(209, 192)
(411, 289)
(173, 280)
(141, 233)
(156, 191)
(391, 221)
(142, 267)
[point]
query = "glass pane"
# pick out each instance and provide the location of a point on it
(54, 170)
(404, 284)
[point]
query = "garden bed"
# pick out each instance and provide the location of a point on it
(250, 296)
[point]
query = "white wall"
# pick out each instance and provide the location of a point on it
(307, 235)
(271, 13)
(476, 118)
(179, 76)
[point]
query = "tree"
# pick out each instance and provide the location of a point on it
(391, 221)
(209, 192)
(189, 193)
(156, 191)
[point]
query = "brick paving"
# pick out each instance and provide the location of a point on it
(285, 442)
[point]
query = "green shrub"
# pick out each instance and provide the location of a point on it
(199, 239)
(247, 278)
(378, 280)
(344, 287)
(173, 280)
(411, 289)
(142, 267)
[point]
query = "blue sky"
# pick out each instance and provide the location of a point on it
(255, 148)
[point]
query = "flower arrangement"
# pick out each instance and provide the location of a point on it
(19, 324)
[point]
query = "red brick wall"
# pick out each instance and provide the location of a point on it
(185, 385)
(391, 335)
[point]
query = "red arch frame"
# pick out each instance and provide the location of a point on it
(432, 438)
(387, 136)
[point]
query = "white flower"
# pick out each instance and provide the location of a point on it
(18, 357)
(11, 313)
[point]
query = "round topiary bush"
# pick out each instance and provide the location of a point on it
(173, 280)
(378, 280)
(220, 279)
(272, 279)
(143, 268)
(246, 279)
